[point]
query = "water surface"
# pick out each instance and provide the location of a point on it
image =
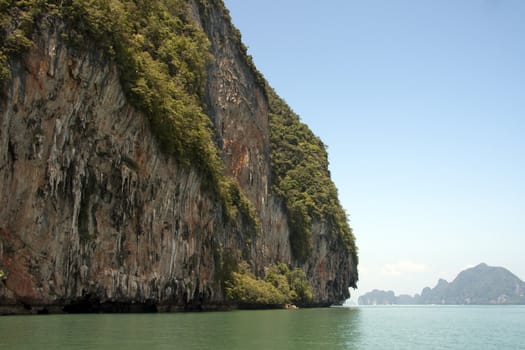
(394, 327)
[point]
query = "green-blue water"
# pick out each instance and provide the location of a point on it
(418, 327)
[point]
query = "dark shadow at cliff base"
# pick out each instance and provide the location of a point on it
(87, 306)
(110, 308)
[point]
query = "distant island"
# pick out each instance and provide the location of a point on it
(479, 285)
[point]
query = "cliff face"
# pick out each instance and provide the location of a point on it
(94, 212)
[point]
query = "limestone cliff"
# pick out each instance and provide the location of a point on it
(95, 213)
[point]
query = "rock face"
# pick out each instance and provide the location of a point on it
(93, 213)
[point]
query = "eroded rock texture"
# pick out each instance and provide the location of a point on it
(93, 212)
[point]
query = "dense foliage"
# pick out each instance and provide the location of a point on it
(161, 56)
(280, 286)
(301, 177)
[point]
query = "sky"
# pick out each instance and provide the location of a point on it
(422, 106)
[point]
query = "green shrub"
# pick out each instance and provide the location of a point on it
(292, 283)
(279, 286)
(300, 286)
(246, 288)
(4, 68)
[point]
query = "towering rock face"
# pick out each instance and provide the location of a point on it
(93, 212)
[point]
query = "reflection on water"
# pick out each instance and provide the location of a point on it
(253, 330)
(303, 329)
(363, 328)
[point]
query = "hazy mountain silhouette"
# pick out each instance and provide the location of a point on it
(480, 285)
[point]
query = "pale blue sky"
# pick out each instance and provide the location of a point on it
(422, 106)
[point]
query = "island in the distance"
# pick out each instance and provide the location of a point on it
(479, 285)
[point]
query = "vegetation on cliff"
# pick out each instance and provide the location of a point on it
(299, 167)
(162, 58)
(279, 286)
(301, 177)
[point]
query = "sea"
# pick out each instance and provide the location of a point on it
(363, 327)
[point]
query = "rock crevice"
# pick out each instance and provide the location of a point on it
(93, 212)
